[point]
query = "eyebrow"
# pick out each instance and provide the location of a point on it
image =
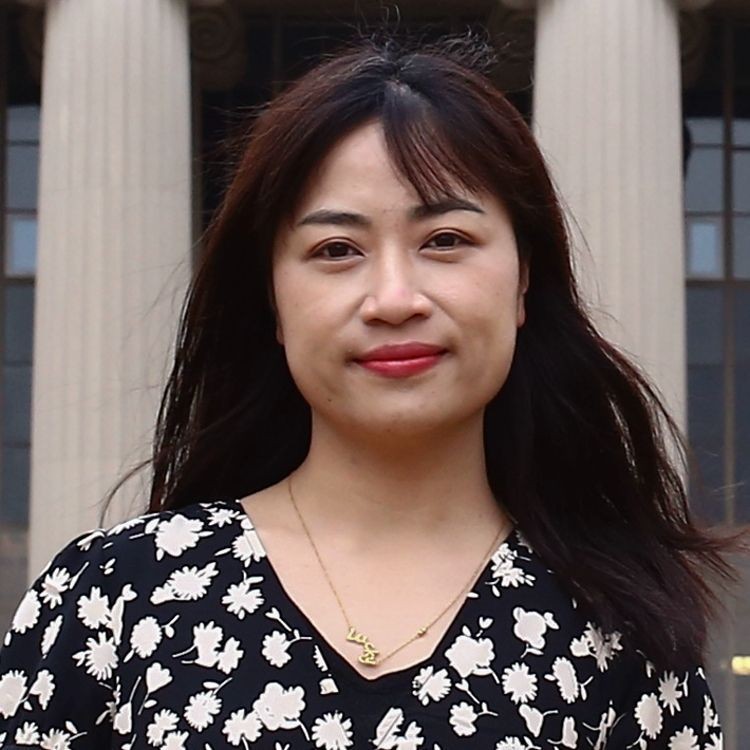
(416, 213)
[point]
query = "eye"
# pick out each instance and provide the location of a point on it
(447, 241)
(334, 251)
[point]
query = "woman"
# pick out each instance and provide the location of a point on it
(404, 495)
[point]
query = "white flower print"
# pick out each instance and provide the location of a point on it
(670, 692)
(710, 717)
(533, 717)
(50, 634)
(201, 709)
(99, 656)
(685, 739)
(178, 534)
(164, 721)
(93, 609)
(12, 689)
(462, 719)
(157, 676)
(53, 587)
(595, 643)
(175, 741)
(505, 572)
(123, 721)
(387, 732)
(43, 687)
(511, 743)
(27, 613)
(27, 734)
(471, 656)
(279, 707)
(207, 637)
(332, 731)
(649, 716)
(569, 734)
(430, 685)
(221, 516)
(564, 673)
(248, 547)
(56, 739)
(716, 743)
(187, 584)
(242, 726)
(531, 627)
(519, 683)
(127, 524)
(276, 648)
(328, 685)
(145, 636)
(241, 599)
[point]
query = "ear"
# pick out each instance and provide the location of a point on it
(523, 287)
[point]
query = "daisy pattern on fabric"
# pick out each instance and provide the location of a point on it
(242, 599)
(469, 655)
(53, 587)
(50, 634)
(670, 692)
(177, 534)
(506, 572)
(164, 721)
(519, 683)
(27, 734)
(145, 636)
(684, 739)
(649, 716)
(531, 628)
(429, 685)
(27, 614)
(462, 719)
(279, 707)
(201, 709)
(93, 608)
(564, 673)
(12, 689)
(43, 687)
(247, 547)
(99, 656)
(242, 725)
(595, 643)
(186, 584)
(276, 648)
(332, 731)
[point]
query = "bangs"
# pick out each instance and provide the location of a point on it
(425, 148)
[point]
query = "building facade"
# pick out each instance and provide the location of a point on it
(113, 116)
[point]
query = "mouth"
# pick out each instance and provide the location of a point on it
(401, 359)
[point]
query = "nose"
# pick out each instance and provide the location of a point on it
(394, 292)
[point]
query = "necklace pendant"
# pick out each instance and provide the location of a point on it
(369, 652)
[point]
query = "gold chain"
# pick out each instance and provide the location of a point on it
(369, 653)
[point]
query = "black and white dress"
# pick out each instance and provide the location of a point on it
(172, 630)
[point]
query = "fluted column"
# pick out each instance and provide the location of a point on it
(114, 251)
(607, 114)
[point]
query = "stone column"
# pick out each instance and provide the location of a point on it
(607, 114)
(113, 254)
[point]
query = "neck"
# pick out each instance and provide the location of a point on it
(366, 490)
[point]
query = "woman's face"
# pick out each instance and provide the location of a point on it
(364, 264)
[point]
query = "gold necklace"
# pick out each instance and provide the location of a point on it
(369, 653)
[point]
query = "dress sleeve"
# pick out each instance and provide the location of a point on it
(59, 654)
(668, 710)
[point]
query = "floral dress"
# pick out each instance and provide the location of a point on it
(172, 630)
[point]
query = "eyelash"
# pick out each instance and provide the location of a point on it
(461, 241)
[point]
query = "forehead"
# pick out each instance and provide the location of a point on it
(359, 169)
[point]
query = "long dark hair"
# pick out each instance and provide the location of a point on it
(577, 440)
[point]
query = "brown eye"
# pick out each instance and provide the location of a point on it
(447, 241)
(334, 251)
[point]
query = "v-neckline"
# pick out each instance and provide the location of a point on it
(337, 663)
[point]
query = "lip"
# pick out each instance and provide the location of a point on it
(401, 360)
(406, 351)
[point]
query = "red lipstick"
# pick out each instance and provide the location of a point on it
(401, 360)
